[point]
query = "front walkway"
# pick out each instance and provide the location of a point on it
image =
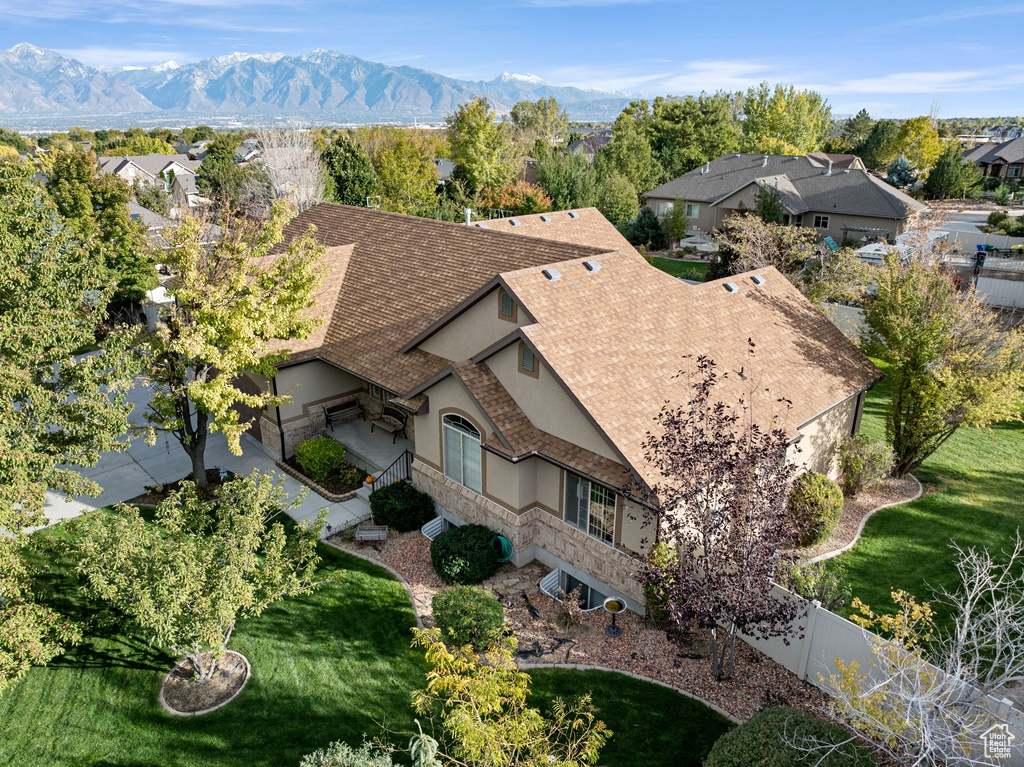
(126, 474)
(373, 451)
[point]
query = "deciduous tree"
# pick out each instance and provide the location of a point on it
(723, 482)
(685, 133)
(951, 363)
(288, 166)
(139, 145)
(569, 179)
(917, 139)
(768, 202)
(542, 119)
(56, 411)
(783, 116)
(480, 703)
(350, 174)
(232, 299)
(201, 565)
(629, 152)
(481, 148)
(618, 200)
(519, 199)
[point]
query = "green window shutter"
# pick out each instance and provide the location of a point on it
(527, 360)
(506, 304)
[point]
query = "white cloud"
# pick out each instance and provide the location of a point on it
(929, 82)
(123, 57)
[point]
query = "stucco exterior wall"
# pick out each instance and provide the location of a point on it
(821, 438)
(475, 329)
(312, 386)
(545, 403)
(446, 396)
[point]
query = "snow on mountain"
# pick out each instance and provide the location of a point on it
(509, 77)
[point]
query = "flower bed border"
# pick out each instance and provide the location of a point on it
(321, 491)
(170, 710)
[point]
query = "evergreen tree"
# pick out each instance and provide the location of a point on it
(858, 127)
(952, 176)
(769, 205)
(900, 173)
(870, 150)
(647, 231)
(350, 173)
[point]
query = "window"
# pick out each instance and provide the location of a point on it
(590, 507)
(380, 394)
(799, 220)
(692, 210)
(506, 306)
(462, 461)
(527, 360)
(590, 598)
(821, 222)
(1013, 171)
(664, 208)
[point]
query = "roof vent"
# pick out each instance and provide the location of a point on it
(514, 222)
(764, 161)
(757, 279)
(829, 171)
(846, 170)
(592, 266)
(552, 274)
(573, 214)
(546, 219)
(482, 225)
(732, 287)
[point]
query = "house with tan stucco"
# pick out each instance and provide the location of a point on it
(528, 357)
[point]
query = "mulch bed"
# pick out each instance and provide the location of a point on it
(188, 697)
(641, 649)
(855, 509)
(153, 498)
(336, 483)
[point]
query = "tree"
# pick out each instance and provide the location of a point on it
(139, 145)
(56, 411)
(951, 364)
(783, 116)
(542, 119)
(647, 231)
(858, 127)
(618, 200)
(952, 175)
(288, 166)
(481, 148)
(185, 579)
(152, 196)
(686, 133)
(220, 177)
(675, 223)
(917, 139)
(13, 139)
(519, 199)
(768, 202)
(746, 242)
(629, 151)
(95, 205)
(900, 173)
(350, 174)
(480, 704)
(31, 634)
(926, 700)
(569, 179)
(721, 499)
(407, 177)
(873, 149)
(232, 299)
(198, 133)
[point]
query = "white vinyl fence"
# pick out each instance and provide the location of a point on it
(828, 636)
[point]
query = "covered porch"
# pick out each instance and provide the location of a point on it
(374, 451)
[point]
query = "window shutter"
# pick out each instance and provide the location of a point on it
(527, 362)
(506, 304)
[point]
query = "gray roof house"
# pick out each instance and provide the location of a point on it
(149, 168)
(831, 193)
(1004, 160)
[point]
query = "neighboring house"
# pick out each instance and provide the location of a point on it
(531, 360)
(155, 225)
(832, 194)
(150, 168)
(589, 144)
(185, 193)
(529, 169)
(445, 169)
(247, 150)
(1005, 160)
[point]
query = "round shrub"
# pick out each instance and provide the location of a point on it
(815, 507)
(762, 741)
(468, 615)
(401, 507)
(319, 457)
(465, 554)
(863, 462)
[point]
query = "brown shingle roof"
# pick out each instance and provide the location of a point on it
(585, 226)
(401, 274)
(522, 436)
(617, 337)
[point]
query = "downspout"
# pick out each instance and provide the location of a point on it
(280, 428)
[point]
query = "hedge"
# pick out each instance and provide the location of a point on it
(815, 507)
(465, 554)
(401, 506)
(468, 615)
(319, 457)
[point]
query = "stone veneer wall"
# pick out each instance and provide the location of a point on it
(534, 527)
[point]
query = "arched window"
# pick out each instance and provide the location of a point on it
(462, 460)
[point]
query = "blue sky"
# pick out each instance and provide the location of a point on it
(894, 58)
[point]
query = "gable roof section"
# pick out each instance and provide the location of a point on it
(616, 339)
(402, 275)
(1007, 152)
(586, 226)
(850, 191)
(153, 164)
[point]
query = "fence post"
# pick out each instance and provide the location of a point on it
(805, 648)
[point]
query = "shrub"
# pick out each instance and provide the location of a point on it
(465, 554)
(319, 457)
(771, 738)
(468, 615)
(863, 462)
(823, 581)
(646, 230)
(996, 218)
(1002, 195)
(401, 506)
(815, 507)
(343, 755)
(991, 183)
(570, 608)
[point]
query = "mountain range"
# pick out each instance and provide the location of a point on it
(38, 82)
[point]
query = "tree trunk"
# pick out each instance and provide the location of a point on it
(203, 671)
(715, 667)
(197, 451)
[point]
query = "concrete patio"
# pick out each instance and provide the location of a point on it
(373, 451)
(124, 475)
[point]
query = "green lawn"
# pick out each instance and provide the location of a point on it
(689, 270)
(974, 494)
(652, 726)
(328, 666)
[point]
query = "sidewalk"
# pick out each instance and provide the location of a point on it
(126, 474)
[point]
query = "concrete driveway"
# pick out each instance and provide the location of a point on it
(124, 475)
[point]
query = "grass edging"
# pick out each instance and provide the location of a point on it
(864, 521)
(321, 491)
(638, 677)
(173, 711)
(397, 576)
